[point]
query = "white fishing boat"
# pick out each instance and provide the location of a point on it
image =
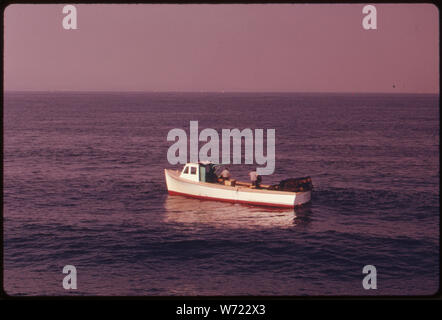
(193, 181)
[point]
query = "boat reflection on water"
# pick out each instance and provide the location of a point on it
(183, 210)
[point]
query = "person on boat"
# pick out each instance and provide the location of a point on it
(211, 175)
(225, 174)
(255, 178)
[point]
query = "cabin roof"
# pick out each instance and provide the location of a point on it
(191, 163)
(204, 163)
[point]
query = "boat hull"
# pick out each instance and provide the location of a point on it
(234, 194)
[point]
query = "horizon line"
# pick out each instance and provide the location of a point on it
(220, 91)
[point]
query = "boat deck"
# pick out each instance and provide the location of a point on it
(240, 185)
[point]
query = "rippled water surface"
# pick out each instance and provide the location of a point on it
(84, 185)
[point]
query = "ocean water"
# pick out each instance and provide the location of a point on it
(83, 185)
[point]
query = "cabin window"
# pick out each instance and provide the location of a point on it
(193, 170)
(186, 170)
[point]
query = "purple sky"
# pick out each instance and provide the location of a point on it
(273, 47)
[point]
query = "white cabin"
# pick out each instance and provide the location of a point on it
(196, 171)
(191, 172)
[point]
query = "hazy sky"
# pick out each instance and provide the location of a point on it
(269, 47)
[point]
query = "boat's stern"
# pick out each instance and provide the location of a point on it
(303, 198)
